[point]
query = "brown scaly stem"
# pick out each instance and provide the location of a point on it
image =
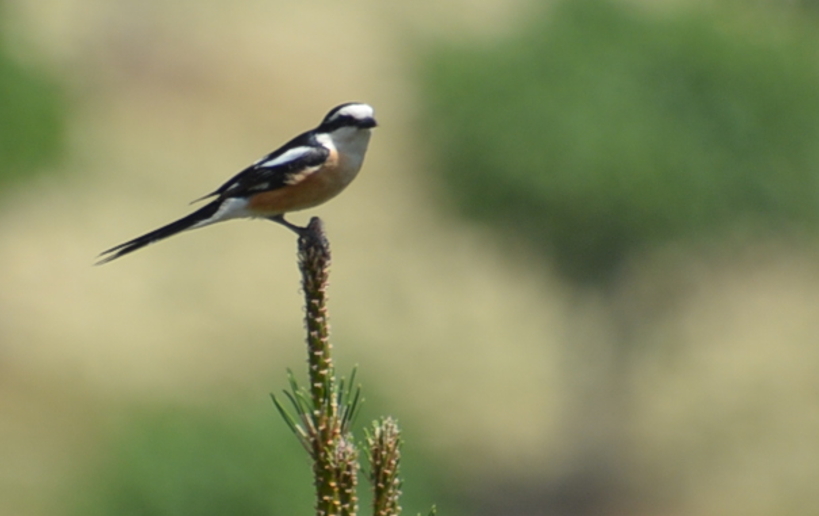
(326, 446)
(314, 262)
(324, 412)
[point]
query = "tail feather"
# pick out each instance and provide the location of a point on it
(197, 217)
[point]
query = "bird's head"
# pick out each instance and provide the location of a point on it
(350, 115)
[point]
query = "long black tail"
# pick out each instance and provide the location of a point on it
(199, 216)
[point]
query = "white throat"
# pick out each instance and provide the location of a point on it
(351, 144)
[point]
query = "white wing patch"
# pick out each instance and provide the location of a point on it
(259, 187)
(286, 157)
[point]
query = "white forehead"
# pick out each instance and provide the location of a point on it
(357, 111)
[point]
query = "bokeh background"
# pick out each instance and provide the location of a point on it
(580, 265)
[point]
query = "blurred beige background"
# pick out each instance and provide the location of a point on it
(465, 336)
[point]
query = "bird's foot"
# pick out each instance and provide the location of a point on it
(292, 227)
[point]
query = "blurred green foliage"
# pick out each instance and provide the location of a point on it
(601, 129)
(185, 461)
(33, 112)
(163, 461)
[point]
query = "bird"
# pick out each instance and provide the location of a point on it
(309, 170)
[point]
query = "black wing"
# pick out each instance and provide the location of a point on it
(276, 169)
